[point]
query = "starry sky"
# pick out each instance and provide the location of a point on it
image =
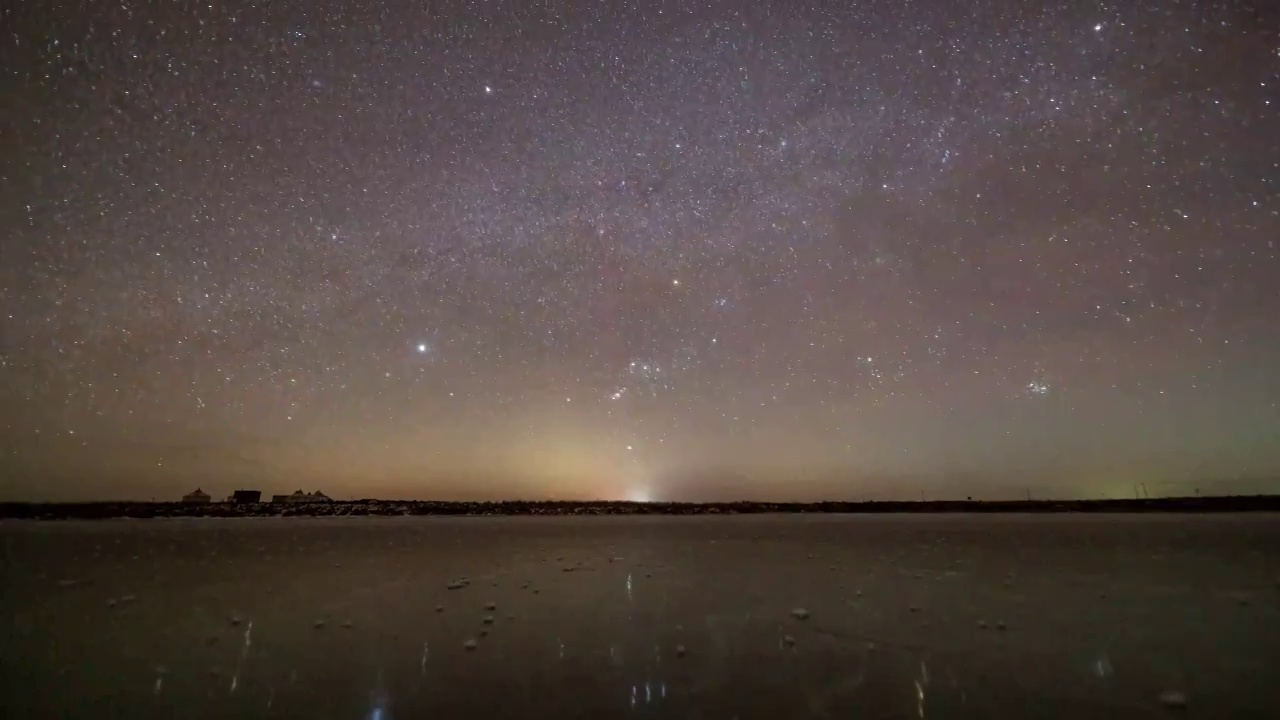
(478, 249)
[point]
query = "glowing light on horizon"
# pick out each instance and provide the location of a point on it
(639, 495)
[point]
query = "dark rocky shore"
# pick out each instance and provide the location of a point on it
(107, 510)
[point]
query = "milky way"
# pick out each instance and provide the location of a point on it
(639, 249)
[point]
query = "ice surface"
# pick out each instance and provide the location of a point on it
(1115, 616)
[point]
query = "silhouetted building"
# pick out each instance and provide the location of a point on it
(196, 496)
(300, 497)
(246, 496)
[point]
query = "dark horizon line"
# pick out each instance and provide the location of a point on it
(372, 506)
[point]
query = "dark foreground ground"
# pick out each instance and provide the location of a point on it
(1049, 616)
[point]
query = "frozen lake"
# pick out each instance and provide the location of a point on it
(905, 616)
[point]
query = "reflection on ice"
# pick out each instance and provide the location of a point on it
(379, 702)
(756, 629)
(922, 682)
(646, 693)
(1102, 666)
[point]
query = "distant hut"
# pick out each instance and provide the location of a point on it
(246, 496)
(196, 497)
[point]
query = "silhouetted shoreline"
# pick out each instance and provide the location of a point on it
(142, 510)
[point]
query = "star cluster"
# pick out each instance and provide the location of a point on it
(661, 249)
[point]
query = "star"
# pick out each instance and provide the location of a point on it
(748, 252)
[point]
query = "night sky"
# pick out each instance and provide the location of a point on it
(649, 249)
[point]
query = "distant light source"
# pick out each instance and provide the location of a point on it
(639, 495)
